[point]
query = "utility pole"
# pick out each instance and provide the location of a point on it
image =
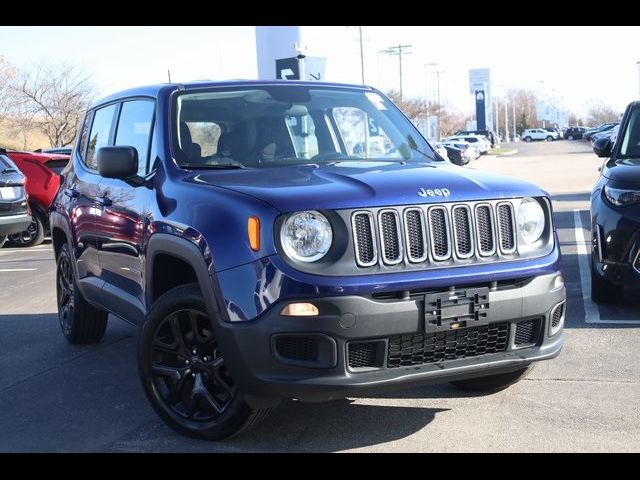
(506, 119)
(361, 55)
(513, 108)
(398, 50)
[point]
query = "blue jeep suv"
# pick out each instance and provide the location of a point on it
(279, 240)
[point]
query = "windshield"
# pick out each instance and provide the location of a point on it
(266, 126)
(630, 146)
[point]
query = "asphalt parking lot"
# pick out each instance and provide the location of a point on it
(59, 397)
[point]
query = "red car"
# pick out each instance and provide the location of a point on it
(43, 179)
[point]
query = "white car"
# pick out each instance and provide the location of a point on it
(474, 151)
(537, 134)
(478, 141)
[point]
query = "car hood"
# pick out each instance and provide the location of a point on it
(365, 184)
(623, 171)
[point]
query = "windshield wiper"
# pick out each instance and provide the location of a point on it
(413, 146)
(211, 166)
(9, 170)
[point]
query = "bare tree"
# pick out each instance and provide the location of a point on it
(417, 108)
(7, 91)
(600, 113)
(56, 97)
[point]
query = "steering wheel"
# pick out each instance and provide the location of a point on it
(328, 155)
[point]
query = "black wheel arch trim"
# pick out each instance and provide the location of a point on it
(188, 252)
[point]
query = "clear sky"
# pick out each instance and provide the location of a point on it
(573, 64)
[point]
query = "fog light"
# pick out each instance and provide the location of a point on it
(300, 310)
(558, 282)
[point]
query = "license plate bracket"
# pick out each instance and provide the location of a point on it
(456, 309)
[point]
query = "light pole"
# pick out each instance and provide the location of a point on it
(361, 55)
(398, 50)
(438, 72)
(513, 108)
(426, 81)
(506, 119)
(544, 107)
(638, 63)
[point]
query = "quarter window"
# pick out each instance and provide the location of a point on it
(134, 129)
(99, 136)
(82, 142)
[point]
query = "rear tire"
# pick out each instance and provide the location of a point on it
(493, 383)
(603, 291)
(33, 235)
(527, 139)
(183, 371)
(80, 322)
(549, 138)
(570, 137)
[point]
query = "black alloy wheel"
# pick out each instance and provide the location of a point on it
(184, 373)
(32, 236)
(65, 294)
(189, 373)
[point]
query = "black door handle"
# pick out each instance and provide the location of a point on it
(71, 192)
(104, 201)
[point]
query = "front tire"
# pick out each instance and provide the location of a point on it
(493, 383)
(33, 235)
(570, 137)
(527, 139)
(183, 372)
(80, 322)
(549, 138)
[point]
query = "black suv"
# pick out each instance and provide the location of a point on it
(14, 210)
(574, 133)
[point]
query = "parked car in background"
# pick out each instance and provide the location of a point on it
(555, 132)
(442, 151)
(43, 179)
(574, 133)
(60, 150)
(615, 212)
(488, 134)
(480, 142)
(588, 135)
(611, 134)
(537, 134)
(458, 154)
(14, 209)
(470, 150)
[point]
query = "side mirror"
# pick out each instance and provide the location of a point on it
(602, 147)
(117, 162)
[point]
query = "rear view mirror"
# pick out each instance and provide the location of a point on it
(602, 147)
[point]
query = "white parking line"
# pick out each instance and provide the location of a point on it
(591, 310)
(17, 269)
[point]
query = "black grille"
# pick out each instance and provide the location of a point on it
(390, 237)
(484, 224)
(415, 236)
(505, 225)
(362, 354)
(366, 252)
(556, 316)
(297, 348)
(526, 332)
(439, 233)
(462, 229)
(420, 348)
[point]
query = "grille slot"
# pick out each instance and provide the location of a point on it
(556, 316)
(421, 348)
(365, 241)
(299, 348)
(415, 235)
(462, 231)
(390, 240)
(526, 333)
(485, 230)
(506, 228)
(365, 354)
(439, 233)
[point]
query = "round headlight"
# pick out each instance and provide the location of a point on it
(306, 236)
(530, 220)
